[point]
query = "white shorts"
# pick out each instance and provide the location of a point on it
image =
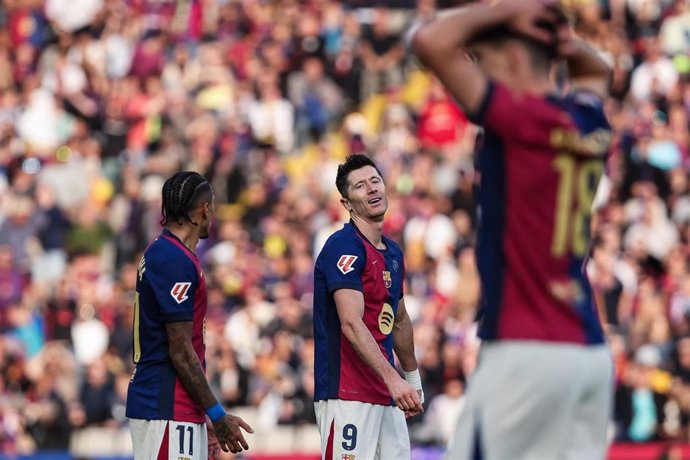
(168, 440)
(536, 401)
(353, 430)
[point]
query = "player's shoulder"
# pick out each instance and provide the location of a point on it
(585, 98)
(342, 247)
(346, 237)
(164, 252)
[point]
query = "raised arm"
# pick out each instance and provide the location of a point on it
(350, 306)
(188, 369)
(586, 68)
(441, 44)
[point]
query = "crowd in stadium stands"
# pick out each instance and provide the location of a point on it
(101, 100)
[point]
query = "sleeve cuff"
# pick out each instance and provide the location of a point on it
(178, 316)
(346, 285)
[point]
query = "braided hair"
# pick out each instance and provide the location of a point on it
(182, 193)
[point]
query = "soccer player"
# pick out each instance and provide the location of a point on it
(359, 320)
(169, 399)
(543, 385)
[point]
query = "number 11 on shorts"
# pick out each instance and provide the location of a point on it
(190, 430)
(185, 441)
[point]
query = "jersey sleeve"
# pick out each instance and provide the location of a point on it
(343, 265)
(173, 283)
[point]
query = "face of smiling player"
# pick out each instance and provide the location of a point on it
(366, 194)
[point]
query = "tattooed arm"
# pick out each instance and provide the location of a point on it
(191, 375)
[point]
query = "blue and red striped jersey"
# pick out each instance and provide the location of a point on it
(349, 261)
(540, 163)
(170, 287)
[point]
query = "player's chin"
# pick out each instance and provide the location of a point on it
(378, 213)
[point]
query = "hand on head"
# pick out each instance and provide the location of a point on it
(542, 20)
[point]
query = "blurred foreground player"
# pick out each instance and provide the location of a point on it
(543, 385)
(169, 398)
(359, 321)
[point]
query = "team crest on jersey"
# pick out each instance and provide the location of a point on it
(387, 280)
(386, 319)
(179, 291)
(345, 263)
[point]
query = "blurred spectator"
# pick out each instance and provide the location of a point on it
(656, 76)
(382, 53)
(97, 394)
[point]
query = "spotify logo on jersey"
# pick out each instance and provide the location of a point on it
(386, 319)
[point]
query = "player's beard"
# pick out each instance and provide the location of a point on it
(204, 232)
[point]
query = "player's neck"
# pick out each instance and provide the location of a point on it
(188, 236)
(372, 230)
(533, 84)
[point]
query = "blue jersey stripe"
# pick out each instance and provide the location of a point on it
(166, 396)
(334, 334)
(588, 119)
(490, 259)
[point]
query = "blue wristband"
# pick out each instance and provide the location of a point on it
(216, 412)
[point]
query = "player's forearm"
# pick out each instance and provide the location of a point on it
(403, 342)
(367, 348)
(188, 367)
(454, 28)
(584, 61)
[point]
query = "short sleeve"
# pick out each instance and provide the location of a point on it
(343, 265)
(173, 284)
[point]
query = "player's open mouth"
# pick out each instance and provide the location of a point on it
(374, 201)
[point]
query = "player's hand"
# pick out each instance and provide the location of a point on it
(567, 40)
(415, 412)
(529, 18)
(213, 444)
(229, 434)
(405, 396)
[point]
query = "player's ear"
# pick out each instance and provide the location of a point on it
(207, 209)
(346, 204)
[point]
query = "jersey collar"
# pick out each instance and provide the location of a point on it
(168, 234)
(383, 238)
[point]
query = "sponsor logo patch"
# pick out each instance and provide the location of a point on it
(386, 319)
(179, 291)
(345, 263)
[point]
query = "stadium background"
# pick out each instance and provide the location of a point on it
(100, 100)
